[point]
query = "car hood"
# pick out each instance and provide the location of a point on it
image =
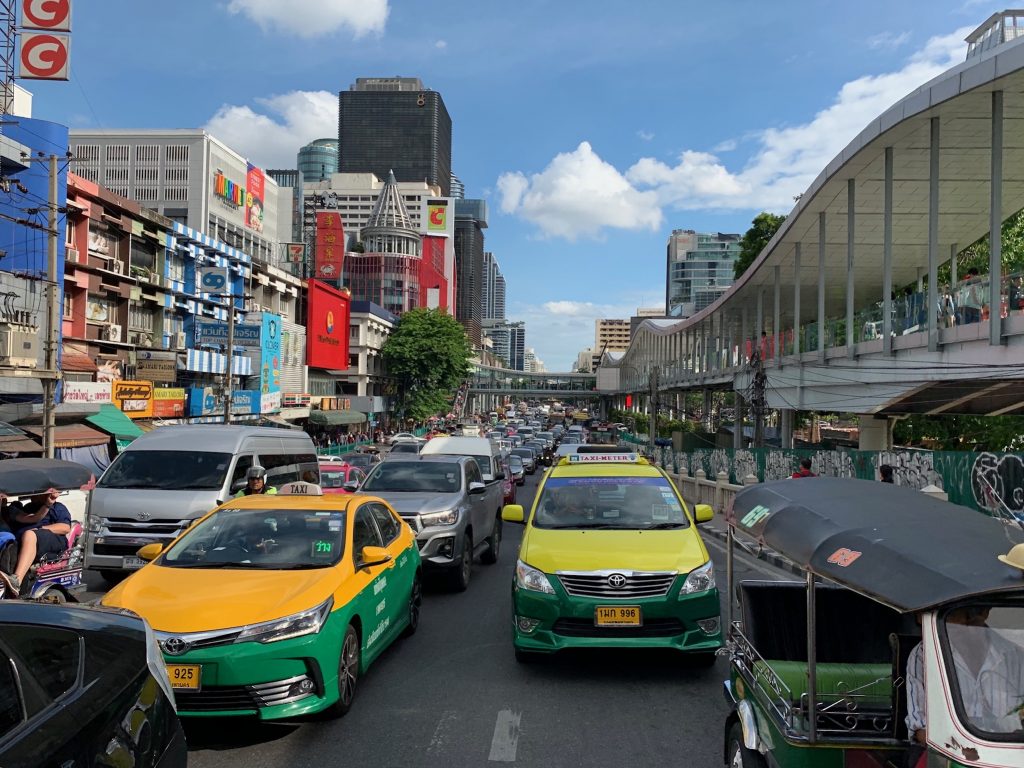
(195, 600)
(419, 502)
(552, 551)
(147, 504)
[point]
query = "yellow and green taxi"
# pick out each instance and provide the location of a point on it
(611, 558)
(275, 605)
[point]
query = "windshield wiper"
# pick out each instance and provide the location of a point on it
(218, 564)
(580, 526)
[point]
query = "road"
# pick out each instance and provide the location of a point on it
(453, 695)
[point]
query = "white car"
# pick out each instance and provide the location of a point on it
(403, 437)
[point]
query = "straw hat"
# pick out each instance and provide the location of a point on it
(1014, 557)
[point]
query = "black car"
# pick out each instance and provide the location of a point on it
(84, 687)
(365, 461)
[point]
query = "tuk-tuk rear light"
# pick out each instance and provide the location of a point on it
(709, 626)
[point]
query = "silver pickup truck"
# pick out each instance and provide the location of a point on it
(454, 513)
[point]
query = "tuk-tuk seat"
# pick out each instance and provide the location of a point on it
(865, 686)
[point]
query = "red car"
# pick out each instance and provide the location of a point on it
(334, 476)
(508, 485)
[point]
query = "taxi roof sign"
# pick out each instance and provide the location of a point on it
(300, 489)
(603, 458)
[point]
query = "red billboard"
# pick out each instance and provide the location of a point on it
(255, 183)
(327, 324)
(433, 283)
(330, 246)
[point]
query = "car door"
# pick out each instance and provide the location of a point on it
(394, 594)
(477, 503)
(371, 581)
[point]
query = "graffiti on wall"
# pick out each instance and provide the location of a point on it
(912, 469)
(997, 483)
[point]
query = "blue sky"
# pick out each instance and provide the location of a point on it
(593, 128)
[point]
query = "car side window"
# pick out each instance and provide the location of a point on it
(241, 467)
(11, 714)
(48, 660)
(473, 473)
(364, 532)
(386, 523)
(285, 468)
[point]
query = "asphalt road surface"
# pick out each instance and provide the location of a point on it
(453, 695)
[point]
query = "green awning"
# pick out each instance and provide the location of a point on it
(336, 418)
(112, 421)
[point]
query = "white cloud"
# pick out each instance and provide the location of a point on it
(725, 146)
(570, 308)
(578, 195)
(271, 137)
(440, 45)
(315, 18)
(645, 135)
(890, 40)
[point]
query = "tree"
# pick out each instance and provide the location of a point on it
(762, 229)
(961, 433)
(976, 254)
(428, 354)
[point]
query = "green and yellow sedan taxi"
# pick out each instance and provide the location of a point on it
(611, 558)
(276, 605)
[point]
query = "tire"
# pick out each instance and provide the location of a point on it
(738, 755)
(462, 573)
(490, 555)
(113, 577)
(415, 601)
(348, 674)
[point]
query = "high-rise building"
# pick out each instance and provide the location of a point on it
(587, 360)
(318, 160)
(699, 269)
(611, 334)
(470, 222)
(395, 124)
(644, 313)
(458, 188)
(532, 363)
(289, 183)
(493, 289)
(517, 346)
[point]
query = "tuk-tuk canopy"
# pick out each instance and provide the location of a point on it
(20, 477)
(896, 545)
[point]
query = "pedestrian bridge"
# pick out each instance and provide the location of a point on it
(844, 309)
(494, 384)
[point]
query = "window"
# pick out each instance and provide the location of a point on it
(238, 478)
(147, 154)
(69, 227)
(118, 153)
(69, 304)
(47, 660)
(176, 268)
(386, 523)
(285, 468)
(140, 318)
(10, 698)
(473, 474)
(87, 153)
(98, 310)
(364, 532)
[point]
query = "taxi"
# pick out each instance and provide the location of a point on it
(611, 558)
(275, 606)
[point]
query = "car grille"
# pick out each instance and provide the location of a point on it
(650, 628)
(636, 584)
(239, 697)
(148, 528)
(197, 640)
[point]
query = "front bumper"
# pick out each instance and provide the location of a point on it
(440, 546)
(566, 621)
(271, 681)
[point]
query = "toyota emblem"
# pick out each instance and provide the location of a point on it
(175, 646)
(143, 515)
(616, 581)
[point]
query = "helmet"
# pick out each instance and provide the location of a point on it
(256, 473)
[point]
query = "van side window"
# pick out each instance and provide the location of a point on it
(290, 468)
(238, 476)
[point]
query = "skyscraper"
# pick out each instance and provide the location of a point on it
(699, 269)
(318, 160)
(395, 124)
(470, 222)
(493, 298)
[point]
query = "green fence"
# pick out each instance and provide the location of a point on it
(341, 450)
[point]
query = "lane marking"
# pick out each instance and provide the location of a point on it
(445, 726)
(506, 737)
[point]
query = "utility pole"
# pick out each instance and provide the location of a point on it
(228, 389)
(53, 320)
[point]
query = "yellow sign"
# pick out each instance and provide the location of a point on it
(168, 394)
(134, 398)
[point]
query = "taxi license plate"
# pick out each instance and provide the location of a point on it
(132, 562)
(617, 616)
(185, 677)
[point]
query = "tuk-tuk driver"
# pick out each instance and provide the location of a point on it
(41, 526)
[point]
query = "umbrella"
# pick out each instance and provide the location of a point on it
(20, 477)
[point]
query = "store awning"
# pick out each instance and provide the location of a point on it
(72, 435)
(336, 418)
(112, 421)
(71, 362)
(15, 444)
(277, 421)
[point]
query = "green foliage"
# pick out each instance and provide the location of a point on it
(961, 433)
(762, 229)
(428, 354)
(977, 254)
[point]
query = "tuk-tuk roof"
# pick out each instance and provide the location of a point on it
(20, 477)
(896, 545)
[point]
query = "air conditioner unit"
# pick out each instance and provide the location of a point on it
(112, 332)
(72, 254)
(18, 345)
(140, 339)
(178, 339)
(116, 266)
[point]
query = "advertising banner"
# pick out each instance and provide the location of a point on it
(254, 197)
(437, 216)
(135, 398)
(214, 332)
(168, 403)
(270, 403)
(327, 327)
(294, 253)
(270, 357)
(203, 401)
(330, 246)
(51, 15)
(44, 56)
(159, 367)
(87, 392)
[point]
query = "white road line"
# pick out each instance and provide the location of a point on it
(506, 737)
(442, 732)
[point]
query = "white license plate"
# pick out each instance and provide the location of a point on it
(132, 562)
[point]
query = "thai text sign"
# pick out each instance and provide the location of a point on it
(330, 246)
(215, 332)
(135, 398)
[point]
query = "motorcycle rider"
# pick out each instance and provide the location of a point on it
(41, 527)
(256, 483)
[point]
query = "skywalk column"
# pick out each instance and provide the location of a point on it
(887, 255)
(821, 285)
(796, 298)
(777, 315)
(933, 237)
(851, 220)
(995, 231)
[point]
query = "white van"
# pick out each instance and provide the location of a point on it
(169, 477)
(486, 452)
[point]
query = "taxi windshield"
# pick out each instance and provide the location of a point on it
(633, 503)
(270, 539)
(984, 652)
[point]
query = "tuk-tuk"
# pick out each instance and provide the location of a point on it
(825, 671)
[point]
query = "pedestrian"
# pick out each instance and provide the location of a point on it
(804, 471)
(885, 474)
(970, 298)
(947, 308)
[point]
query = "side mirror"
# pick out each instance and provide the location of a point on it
(151, 552)
(704, 513)
(512, 513)
(351, 486)
(476, 488)
(500, 476)
(372, 556)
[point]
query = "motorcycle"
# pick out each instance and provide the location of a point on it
(53, 578)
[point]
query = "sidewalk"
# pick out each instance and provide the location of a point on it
(717, 528)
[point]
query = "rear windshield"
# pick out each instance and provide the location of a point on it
(168, 470)
(635, 503)
(414, 476)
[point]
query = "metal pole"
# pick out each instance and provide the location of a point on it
(812, 660)
(887, 255)
(777, 316)
(821, 285)
(53, 321)
(995, 232)
(851, 220)
(228, 391)
(728, 578)
(931, 307)
(796, 298)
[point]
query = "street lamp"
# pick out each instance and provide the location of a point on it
(230, 351)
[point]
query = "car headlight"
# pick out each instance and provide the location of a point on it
(699, 580)
(528, 577)
(306, 623)
(448, 517)
(93, 523)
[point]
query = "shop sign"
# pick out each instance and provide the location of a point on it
(135, 398)
(270, 402)
(227, 191)
(327, 327)
(87, 392)
(168, 402)
(330, 246)
(157, 367)
(293, 400)
(204, 402)
(212, 332)
(245, 401)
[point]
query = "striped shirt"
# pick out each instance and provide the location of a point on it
(915, 691)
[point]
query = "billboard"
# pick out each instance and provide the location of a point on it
(327, 327)
(270, 360)
(211, 278)
(168, 403)
(255, 195)
(203, 401)
(330, 246)
(161, 367)
(87, 392)
(51, 15)
(215, 333)
(134, 398)
(45, 42)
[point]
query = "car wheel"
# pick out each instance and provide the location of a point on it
(415, 600)
(490, 555)
(348, 673)
(739, 755)
(464, 570)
